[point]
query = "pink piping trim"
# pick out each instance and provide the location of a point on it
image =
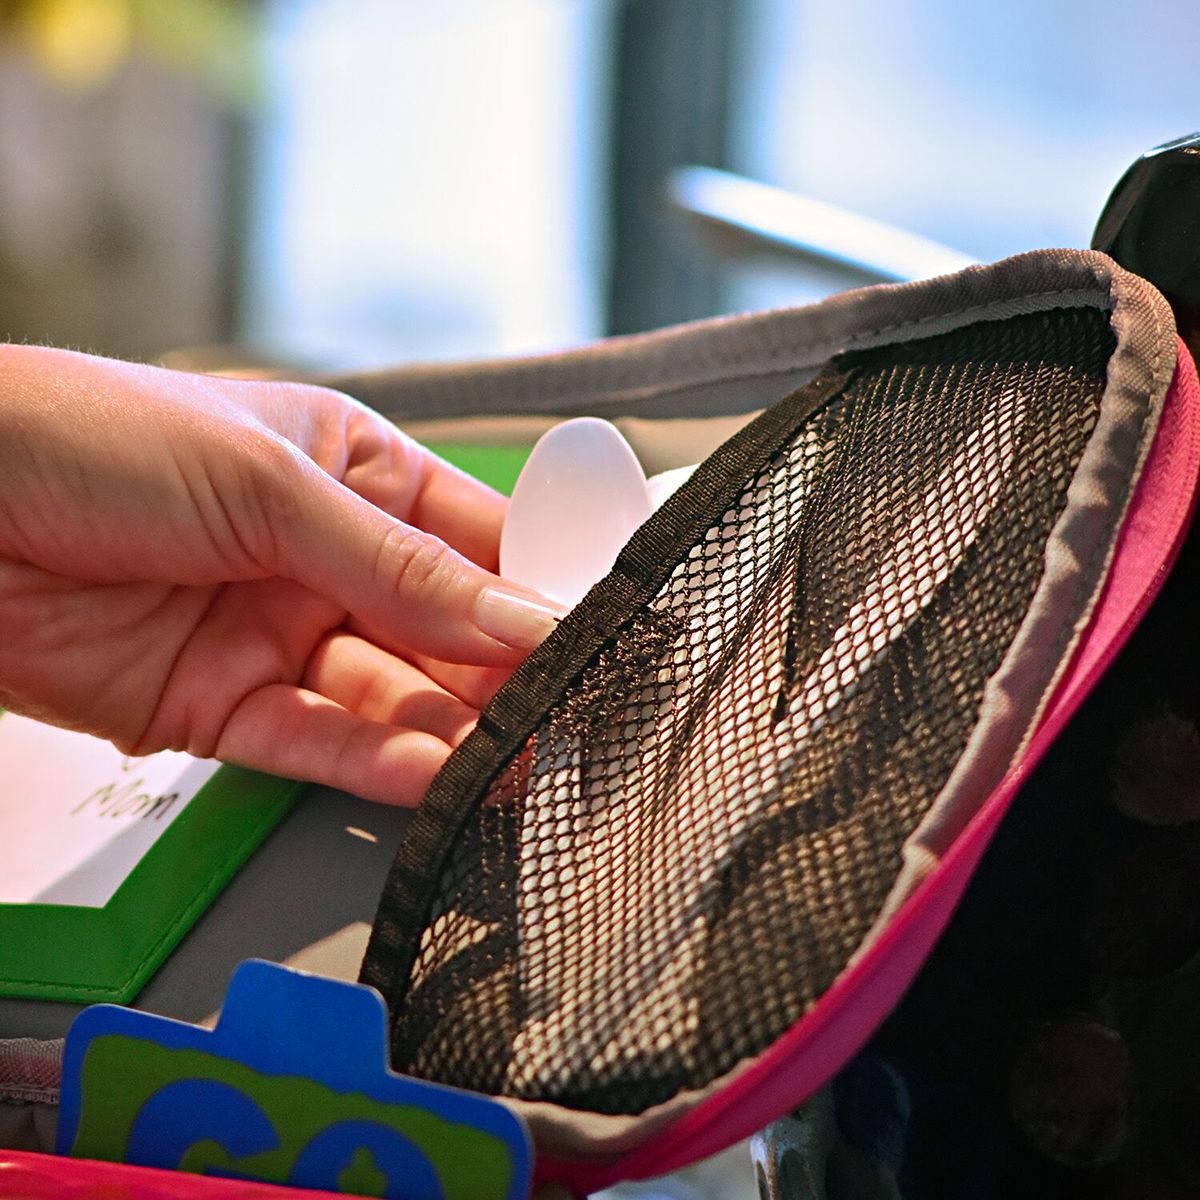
(820, 1044)
(28, 1175)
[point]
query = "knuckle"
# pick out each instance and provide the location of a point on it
(268, 493)
(140, 744)
(155, 735)
(413, 561)
(271, 465)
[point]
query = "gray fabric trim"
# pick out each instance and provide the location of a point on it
(30, 1070)
(1078, 554)
(28, 1127)
(730, 365)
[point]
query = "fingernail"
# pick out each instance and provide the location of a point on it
(517, 621)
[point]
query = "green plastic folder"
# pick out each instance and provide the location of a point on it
(65, 952)
(83, 954)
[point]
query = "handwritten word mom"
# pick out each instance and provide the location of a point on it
(126, 799)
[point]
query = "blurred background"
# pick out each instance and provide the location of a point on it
(334, 183)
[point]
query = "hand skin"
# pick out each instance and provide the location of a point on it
(269, 574)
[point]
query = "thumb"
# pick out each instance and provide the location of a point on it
(408, 586)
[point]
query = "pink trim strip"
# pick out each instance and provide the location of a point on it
(821, 1043)
(33, 1176)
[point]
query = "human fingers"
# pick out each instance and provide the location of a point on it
(298, 734)
(467, 514)
(410, 586)
(381, 463)
(474, 686)
(378, 686)
(402, 477)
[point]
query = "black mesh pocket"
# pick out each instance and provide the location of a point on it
(680, 819)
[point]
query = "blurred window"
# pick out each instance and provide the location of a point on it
(429, 179)
(415, 181)
(991, 129)
(994, 128)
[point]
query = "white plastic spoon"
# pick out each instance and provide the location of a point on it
(578, 500)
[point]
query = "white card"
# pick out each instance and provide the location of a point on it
(77, 816)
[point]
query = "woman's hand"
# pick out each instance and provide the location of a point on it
(264, 573)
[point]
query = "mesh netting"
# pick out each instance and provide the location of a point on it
(704, 823)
